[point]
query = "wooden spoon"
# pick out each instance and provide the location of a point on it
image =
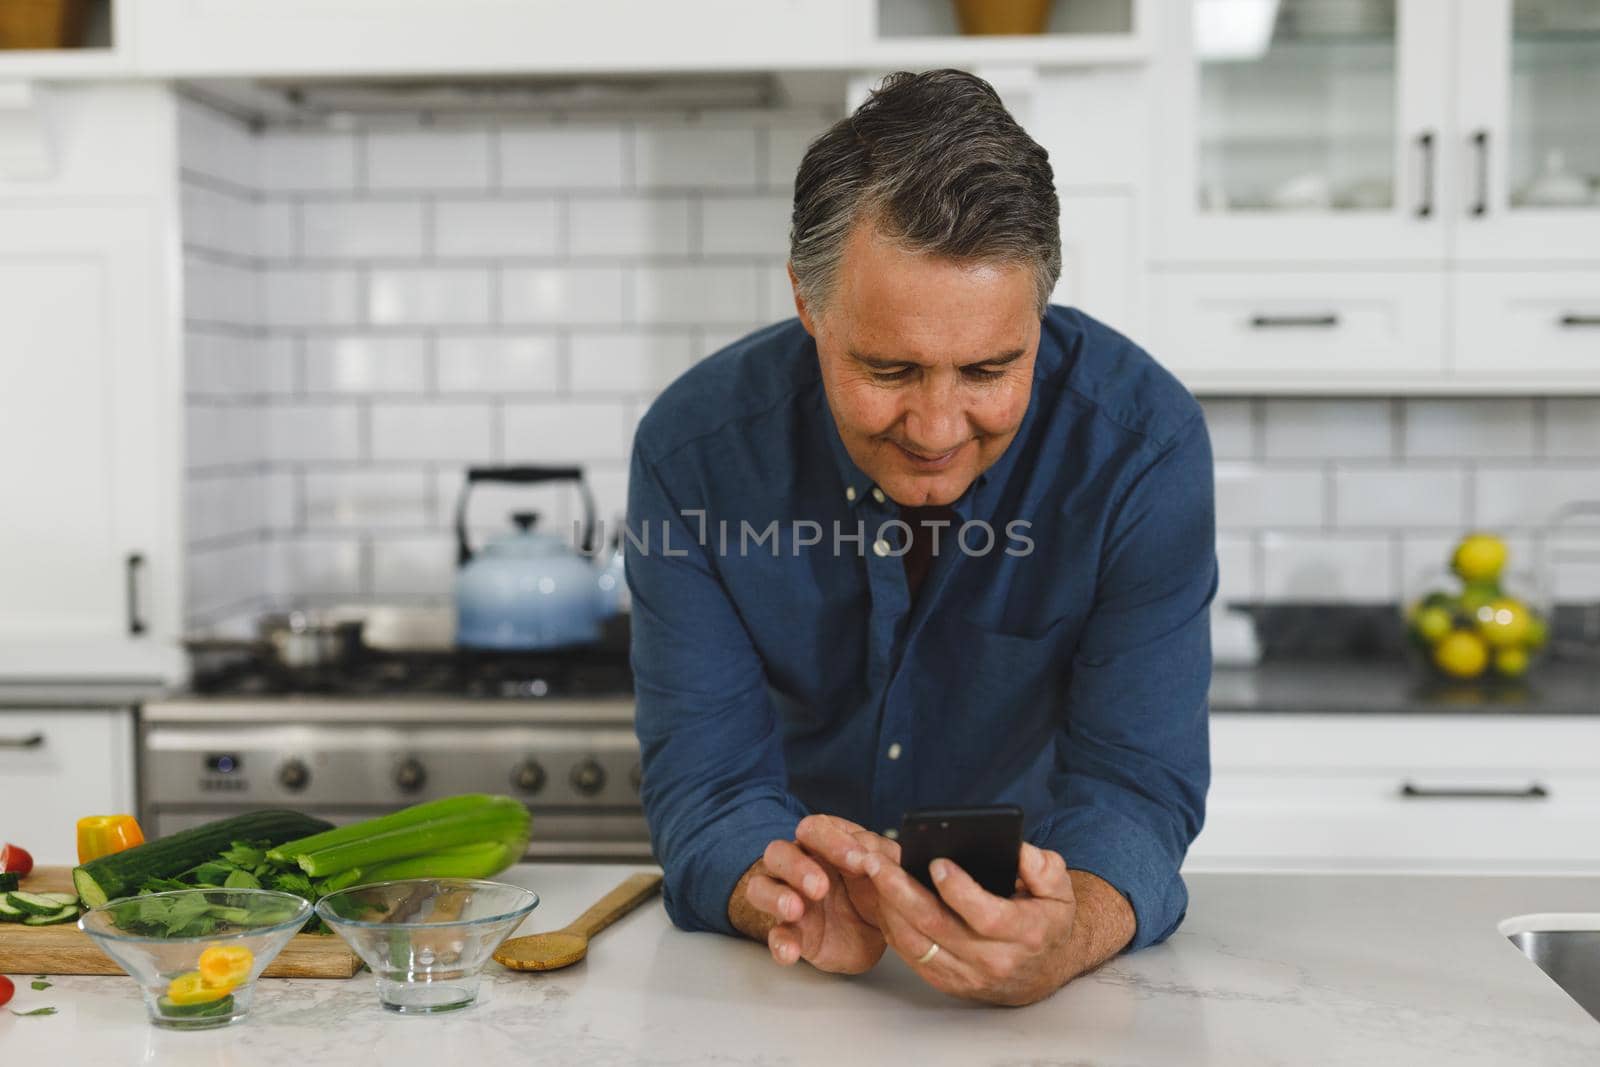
(564, 947)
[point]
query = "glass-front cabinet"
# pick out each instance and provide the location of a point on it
(1529, 123)
(1310, 127)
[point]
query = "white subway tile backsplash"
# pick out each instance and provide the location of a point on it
(562, 295)
(671, 156)
(428, 159)
(1327, 429)
(630, 362)
(366, 498)
(1572, 426)
(313, 566)
(499, 364)
(1326, 567)
(219, 292)
(777, 296)
(1526, 496)
(280, 364)
(745, 225)
(307, 161)
(1231, 424)
(1400, 497)
(433, 431)
(299, 432)
(215, 145)
(564, 157)
(1236, 571)
(691, 295)
(504, 227)
(299, 296)
(429, 296)
(1458, 429)
(1249, 496)
(277, 234)
(414, 566)
(630, 226)
(344, 229)
(571, 431)
(366, 364)
(280, 498)
(785, 148)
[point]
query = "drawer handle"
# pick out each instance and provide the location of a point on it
(136, 624)
(1573, 322)
(1425, 145)
(26, 741)
(1293, 322)
(1412, 791)
(1480, 150)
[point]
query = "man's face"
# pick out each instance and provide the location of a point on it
(927, 365)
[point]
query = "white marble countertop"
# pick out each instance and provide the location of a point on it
(1268, 969)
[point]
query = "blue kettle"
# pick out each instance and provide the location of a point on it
(528, 591)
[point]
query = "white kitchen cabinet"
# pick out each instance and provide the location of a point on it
(91, 394)
(1521, 328)
(58, 765)
(1505, 793)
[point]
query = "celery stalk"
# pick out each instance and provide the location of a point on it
(500, 823)
(287, 853)
(483, 859)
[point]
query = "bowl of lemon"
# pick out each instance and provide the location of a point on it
(1477, 621)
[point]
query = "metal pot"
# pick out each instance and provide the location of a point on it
(293, 640)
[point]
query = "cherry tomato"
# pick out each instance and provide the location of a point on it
(6, 989)
(15, 859)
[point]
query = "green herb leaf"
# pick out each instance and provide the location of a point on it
(241, 880)
(244, 854)
(39, 985)
(212, 872)
(35, 1011)
(292, 882)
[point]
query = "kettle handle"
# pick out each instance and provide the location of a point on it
(522, 476)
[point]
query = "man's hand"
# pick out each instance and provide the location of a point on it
(992, 949)
(804, 907)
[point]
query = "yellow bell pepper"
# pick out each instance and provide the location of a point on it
(187, 989)
(225, 966)
(101, 835)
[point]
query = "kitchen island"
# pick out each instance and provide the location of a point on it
(1267, 969)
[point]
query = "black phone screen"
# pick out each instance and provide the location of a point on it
(983, 841)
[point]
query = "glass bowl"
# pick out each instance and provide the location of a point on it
(426, 939)
(196, 953)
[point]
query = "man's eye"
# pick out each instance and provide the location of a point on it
(983, 374)
(893, 375)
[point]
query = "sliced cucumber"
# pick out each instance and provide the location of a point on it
(65, 915)
(33, 903)
(9, 912)
(208, 1009)
(61, 899)
(9, 880)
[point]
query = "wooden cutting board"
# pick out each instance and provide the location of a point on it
(65, 949)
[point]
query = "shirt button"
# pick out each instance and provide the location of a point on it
(850, 493)
(880, 547)
(895, 750)
(877, 494)
(892, 834)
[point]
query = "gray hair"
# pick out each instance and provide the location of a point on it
(937, 164)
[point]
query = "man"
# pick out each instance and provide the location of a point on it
(825, 636)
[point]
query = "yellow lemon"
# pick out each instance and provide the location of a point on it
(1504, 622)
(1479, 557)
(1511, 662)
(1461, 655)
(1432, 624)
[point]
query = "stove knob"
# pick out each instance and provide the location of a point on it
(410, 776)
(294, 775)
(528, 776)
(588, 778)
(635, 777)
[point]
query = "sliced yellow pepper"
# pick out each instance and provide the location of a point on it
(102, 835)
(187, 989)
(225, 966)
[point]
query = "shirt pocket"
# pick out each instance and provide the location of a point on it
(1003, 678)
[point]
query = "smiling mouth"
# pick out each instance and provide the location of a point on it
(923, 462)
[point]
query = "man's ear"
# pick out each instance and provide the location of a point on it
(800, 307)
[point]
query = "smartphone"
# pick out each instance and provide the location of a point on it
(983, 841)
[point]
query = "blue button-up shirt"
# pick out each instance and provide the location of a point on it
(782, 667)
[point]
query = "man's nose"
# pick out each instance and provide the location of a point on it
(935, 422)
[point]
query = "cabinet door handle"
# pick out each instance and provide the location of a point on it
(1425, 143)
(1480, 150)
(1293, 322)
(25, 741)
(1412, 791)
(136, 624)
(1573, 322)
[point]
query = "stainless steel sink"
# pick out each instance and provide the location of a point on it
(1567, 948)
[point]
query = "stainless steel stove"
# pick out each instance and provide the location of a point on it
(396, 730)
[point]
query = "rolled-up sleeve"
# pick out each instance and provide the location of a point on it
(1132, 761)
(714, 783)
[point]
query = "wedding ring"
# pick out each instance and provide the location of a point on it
(933, 950)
